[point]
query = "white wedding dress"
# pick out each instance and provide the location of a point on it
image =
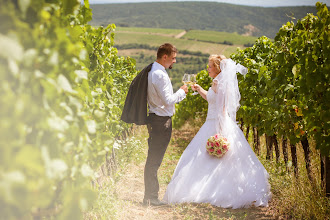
(236, 180)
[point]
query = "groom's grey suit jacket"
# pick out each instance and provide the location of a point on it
(135, 108)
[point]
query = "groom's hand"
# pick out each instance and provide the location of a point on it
(185, 88)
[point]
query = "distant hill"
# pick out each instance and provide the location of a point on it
(245, 20)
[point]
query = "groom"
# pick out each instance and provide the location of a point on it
(153, 87)
(161, 100)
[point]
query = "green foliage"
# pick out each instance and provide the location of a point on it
(155, 48)
(130, 150)
(109, 76)
(187, 61)
(297, 198)
(219, 37)
(214, 16)
(258, 104)
(62, 89)
(193, 106)
(170, 32)
(287, 88)
(305, 59)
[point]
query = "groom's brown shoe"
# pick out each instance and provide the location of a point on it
(153, 202)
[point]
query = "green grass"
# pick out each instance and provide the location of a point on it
(219, 37)
(298, 198)
(181, 44)
(172, 32)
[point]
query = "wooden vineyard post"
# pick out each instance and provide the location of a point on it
(256, 141)
(294, 158)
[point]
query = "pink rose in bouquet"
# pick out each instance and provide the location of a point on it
(217, 145)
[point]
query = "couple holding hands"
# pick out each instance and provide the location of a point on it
(237, 179)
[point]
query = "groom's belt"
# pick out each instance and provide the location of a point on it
(154, 115)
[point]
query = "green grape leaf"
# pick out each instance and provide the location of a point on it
(10, 48)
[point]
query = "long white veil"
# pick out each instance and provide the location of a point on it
(228, 95)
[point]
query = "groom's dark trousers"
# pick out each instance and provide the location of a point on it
(160, 130)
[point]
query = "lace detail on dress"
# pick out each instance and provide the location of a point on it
(212, 108)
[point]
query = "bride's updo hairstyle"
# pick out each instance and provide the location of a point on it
(216, 59)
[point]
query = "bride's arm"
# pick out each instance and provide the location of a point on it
(200, 90)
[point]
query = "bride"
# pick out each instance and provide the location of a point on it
(236, 180)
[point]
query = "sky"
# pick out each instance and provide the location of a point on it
(262, 3)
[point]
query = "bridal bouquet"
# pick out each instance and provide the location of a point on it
(217, 145)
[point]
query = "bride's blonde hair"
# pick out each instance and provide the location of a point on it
(216, 59)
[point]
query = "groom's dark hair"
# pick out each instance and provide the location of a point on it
(167, 49)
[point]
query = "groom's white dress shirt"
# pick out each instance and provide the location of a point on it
(161, 98)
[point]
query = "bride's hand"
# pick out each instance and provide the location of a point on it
(195, 87)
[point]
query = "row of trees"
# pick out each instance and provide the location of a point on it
(285, 94)
(191, 63)
(155, 48)
(62, 93)
(187, 64)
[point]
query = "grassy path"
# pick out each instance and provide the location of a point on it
(130, 190)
